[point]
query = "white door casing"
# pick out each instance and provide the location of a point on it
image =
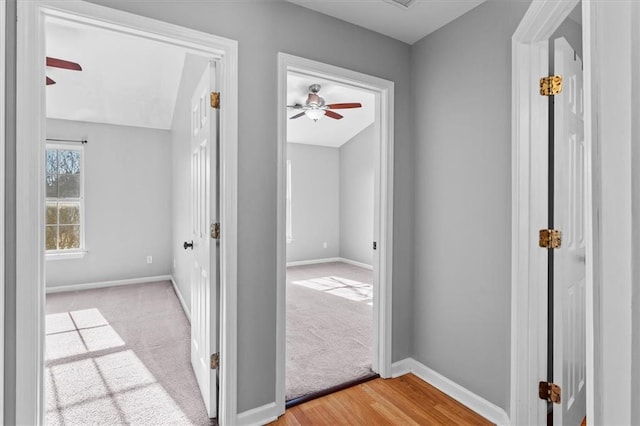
(569, 353)
(204, 269)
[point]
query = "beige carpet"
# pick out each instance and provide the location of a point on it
(329, 326)
(120, 355)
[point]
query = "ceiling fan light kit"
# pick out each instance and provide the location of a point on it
(315, 107)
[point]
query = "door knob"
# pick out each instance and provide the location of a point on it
(188, 245)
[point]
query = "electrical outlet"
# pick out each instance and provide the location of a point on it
(325, 245)
(174, 264)
(149, 259)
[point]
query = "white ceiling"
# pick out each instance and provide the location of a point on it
(405, 24)
(327, 131)
(125, 80)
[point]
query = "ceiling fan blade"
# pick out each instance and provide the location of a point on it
(61, 63)
(296, 106)
(345, 105)
(297, 115)
(50, 81)
(333, 114)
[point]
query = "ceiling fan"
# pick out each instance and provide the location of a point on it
(315, 106)
(61, 63)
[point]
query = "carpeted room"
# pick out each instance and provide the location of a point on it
(330, 229)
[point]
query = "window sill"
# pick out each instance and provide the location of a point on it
(66, 255)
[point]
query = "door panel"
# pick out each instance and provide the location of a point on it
(569, 355)
(204, 273)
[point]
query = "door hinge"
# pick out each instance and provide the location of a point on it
(215, 100)
(549, 392)
(550, 86)
(550, 238)
(215, 361)
(215, 231)
(375, 245)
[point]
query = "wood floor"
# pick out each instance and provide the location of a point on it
(405, 400)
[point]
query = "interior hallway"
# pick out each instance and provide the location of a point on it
(406, 400)
(120, 355)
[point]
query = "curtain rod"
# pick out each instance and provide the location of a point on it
(83, 141)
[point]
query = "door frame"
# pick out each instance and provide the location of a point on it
(3, 25)
(382, 302)
(530, 61)
(30, 279)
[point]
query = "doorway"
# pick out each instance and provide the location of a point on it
(330, 235)
(536, 290)
(30, 230)
(381, 92)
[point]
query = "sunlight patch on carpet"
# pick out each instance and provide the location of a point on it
(341, 287)
(91, 374)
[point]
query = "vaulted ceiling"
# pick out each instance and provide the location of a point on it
(125, 80)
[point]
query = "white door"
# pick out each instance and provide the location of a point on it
(569, 357)
(204, 270)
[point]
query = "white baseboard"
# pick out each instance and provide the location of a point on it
(258, 416)
(354, 263)
(313, 261)
(186, 310)
(474, 402)
(329, 260)
(102, 284)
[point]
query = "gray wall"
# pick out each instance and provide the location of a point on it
(356, 196)
(263, 29)
(192, 71)
(315, 188)
(462, 165)
(635, 220)
(127, 203)
(9, 248)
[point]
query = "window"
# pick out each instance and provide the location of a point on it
(64, 219)
(289, 224)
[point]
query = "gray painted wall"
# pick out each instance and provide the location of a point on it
(462, 165)
(635, 220)
(9, 248)
(193, 68)
(315, 205)
(263, 29)
(127, 203)
(356, 197)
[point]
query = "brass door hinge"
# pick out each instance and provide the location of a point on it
(549, 392)
(550, 238)
(215, 100)
(215, 231)
(215, 361)
(550, 86)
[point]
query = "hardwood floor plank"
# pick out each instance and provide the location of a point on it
(406, 400)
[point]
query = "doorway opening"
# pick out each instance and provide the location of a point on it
(566, 301)
(330, 236)
(551, 190)
(110, 127)
(123, 339)
(334, 228)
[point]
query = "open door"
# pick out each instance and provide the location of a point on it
(204, 270)
(569, 345)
